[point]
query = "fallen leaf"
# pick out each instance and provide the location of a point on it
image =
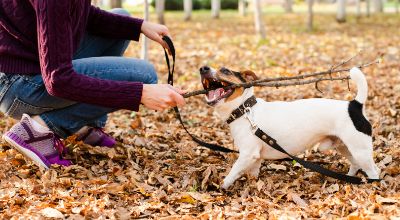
(332, 188)
(51, 213)
(276, 166)
(296, 199)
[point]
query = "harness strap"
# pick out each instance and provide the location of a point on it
(210, 146)
(312, 166)
(241, 110)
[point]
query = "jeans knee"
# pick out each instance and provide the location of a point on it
(152, 74)
(120, 11)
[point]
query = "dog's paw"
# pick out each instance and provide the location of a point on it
(225, 185)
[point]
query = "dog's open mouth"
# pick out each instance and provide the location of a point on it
(216, 91)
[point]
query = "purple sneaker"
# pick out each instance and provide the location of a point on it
(44, 148)
(97, 137)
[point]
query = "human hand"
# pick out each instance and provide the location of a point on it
(161, 96)
(155, 32)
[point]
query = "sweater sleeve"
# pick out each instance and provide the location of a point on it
(55, 55)
(111, 25)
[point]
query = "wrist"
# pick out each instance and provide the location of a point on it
(143, 27)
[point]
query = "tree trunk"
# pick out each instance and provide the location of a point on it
(397, 6)
(160, 7)
(116, 3)
(288, 5)
(188, 6)
(259, 24)
(368, 7)
(243, 7)
(145, 43)
(215, 8)
(310, 19)
(358, 8)
(378, 6)
(341, 11)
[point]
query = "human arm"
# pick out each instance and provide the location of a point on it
(55, 56)
(108, 24)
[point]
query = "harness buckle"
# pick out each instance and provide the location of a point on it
(249, 116)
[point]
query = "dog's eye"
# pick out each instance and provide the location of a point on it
(225, 71)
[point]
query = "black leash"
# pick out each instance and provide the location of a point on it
(245, 108)
(312, 166)
(210, 146)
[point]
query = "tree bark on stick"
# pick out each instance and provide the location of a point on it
(145, 43)
(341, 11)
(310, 18)
(160, 8)
(215, 8)
(116, 3)
(259, 24)
(188, 7)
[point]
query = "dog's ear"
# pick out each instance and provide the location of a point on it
(249, 75)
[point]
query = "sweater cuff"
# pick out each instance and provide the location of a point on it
(136, 98)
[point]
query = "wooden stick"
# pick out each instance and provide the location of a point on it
(270, 84)
(267, 82)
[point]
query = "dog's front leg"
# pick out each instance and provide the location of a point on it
(242, 164)
(255, 169)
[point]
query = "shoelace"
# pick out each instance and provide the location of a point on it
(101, 130)
(59, 146)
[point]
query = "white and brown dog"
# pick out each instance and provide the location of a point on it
(296, 125)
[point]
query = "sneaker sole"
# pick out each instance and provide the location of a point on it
(27, 153)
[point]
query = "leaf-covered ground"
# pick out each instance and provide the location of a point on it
(158, 172)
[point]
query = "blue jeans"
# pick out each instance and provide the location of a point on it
(96, 57)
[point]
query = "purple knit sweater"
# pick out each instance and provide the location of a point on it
(41, 36)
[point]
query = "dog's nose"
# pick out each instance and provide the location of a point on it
(204, 69)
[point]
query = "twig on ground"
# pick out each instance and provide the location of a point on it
(272, 82)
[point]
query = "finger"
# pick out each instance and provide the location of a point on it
(159, 40)
(178, 90)
(165, 45)
(179, 100)
(165, 32)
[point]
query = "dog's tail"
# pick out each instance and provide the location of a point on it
(362, 86)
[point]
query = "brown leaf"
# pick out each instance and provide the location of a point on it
(51, 213)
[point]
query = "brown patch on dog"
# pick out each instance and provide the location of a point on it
(249, 75)
(237, 93)
(229, 76)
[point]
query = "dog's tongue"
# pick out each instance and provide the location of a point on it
(214, 94)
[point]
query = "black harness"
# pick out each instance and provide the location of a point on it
(244, 110)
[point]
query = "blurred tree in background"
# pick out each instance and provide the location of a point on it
(257, 7)
(178, 5)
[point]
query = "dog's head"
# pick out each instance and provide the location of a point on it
(214, 80)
